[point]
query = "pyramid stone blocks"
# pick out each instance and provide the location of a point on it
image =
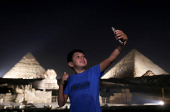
(27, 68)
(134, 64)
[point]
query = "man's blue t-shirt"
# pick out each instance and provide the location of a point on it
(83, 90)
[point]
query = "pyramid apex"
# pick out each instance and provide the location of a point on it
(28, 56)
(134, 50)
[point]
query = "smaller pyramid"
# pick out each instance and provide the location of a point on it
(148, 73)
(134, 64)
(27, 67)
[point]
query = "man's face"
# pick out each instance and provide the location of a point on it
(79, 59)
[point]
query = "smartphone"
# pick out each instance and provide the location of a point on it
(120, 40)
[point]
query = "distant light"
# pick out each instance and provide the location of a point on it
(157, 103)
(161, 103)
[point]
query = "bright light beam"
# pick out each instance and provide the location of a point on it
(161, 103)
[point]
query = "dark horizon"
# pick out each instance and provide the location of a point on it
(49, 30)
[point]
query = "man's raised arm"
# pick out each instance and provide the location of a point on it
(107, 62)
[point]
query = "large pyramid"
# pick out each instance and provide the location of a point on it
(134, 64)
(27, 67)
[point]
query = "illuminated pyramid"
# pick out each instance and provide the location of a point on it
(27, 67)
(134, 64)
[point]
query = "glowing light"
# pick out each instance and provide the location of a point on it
(157, 103)
(161, 103)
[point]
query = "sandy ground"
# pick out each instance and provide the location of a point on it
(154, 108)
(164, 108)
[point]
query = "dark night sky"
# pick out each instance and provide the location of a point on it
(49, 30)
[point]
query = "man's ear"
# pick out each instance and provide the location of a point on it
(71, 64)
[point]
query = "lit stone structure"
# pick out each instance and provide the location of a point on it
(30, 95)
(134, 64)
(115, 88)
(49, 82)
(27, 68)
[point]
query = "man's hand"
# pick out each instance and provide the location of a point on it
(64, 78)
(120, 35)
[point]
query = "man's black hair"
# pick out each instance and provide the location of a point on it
(71, 53)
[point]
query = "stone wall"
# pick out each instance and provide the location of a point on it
(27, 95)
(122, 97)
